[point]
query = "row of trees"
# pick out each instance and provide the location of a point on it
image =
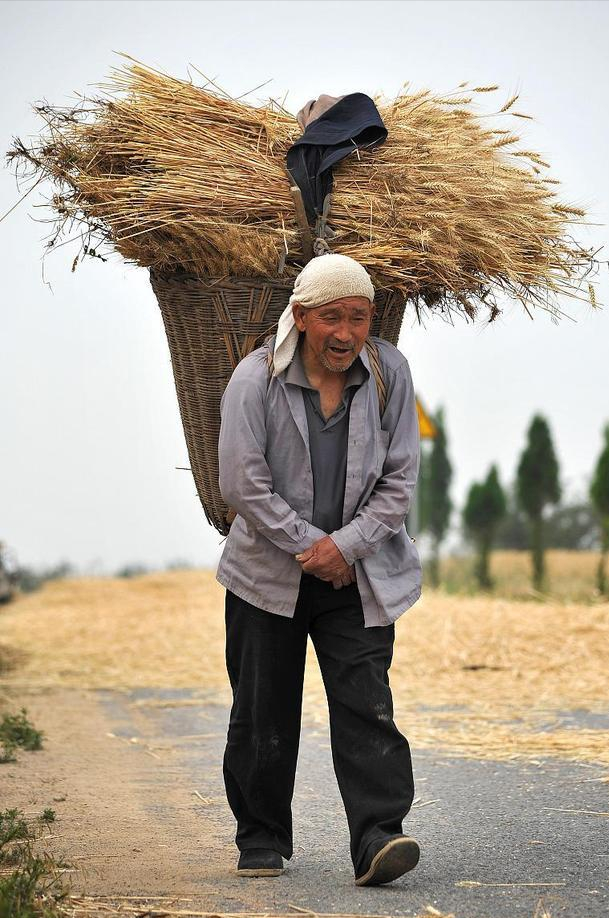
(487, 507)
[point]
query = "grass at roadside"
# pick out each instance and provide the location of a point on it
(16, 732)
(30, 884)
(30, 881)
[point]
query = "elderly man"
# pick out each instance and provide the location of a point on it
(321, 485)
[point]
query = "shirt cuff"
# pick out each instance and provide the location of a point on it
(350, 542)
(312, 534)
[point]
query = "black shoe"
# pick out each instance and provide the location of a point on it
(389, 859)
(260, 862)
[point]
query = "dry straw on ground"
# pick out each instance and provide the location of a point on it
(107, 906)
(474, 676)
(449, 210)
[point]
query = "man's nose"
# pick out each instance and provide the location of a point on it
(343, 333)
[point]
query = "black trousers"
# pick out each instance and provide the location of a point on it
(265, 658)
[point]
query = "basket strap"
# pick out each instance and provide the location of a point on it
(271, 366)
(375, 363)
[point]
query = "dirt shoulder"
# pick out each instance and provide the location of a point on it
(127, 816)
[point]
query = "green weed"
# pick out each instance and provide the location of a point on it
(33, 889)
(16, 732)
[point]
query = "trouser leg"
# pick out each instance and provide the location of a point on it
(371, 757)
(265, 658)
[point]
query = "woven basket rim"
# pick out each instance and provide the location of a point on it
(225, 280)
(239, 280)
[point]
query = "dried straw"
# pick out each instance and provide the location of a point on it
(474, 676)
(177, 176)
(152, 907)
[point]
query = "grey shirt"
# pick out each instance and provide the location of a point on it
(327, 441)
(266, 476)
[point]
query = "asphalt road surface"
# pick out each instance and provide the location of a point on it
(495, 838)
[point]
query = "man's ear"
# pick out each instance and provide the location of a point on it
(298, 312)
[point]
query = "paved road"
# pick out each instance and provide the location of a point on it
(488, 831)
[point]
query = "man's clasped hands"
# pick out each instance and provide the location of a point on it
(324, 560)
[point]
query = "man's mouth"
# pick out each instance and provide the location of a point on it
(340, 351)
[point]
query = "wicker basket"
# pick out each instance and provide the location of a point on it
(211, 325)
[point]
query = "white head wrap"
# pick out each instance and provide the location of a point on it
(324, 279)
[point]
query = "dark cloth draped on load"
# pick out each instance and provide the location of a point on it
(353, 122)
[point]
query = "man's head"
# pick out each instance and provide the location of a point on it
(336, 331)
(333, 304)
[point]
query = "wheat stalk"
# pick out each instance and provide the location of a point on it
(174, 176)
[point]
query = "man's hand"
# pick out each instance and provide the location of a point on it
(324, 560)
(346, 579)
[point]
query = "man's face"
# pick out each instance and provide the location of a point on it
(335, 332)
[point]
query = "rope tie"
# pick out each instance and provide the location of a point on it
(323, 232)
(320, 246)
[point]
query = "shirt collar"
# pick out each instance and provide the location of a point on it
(295, 371)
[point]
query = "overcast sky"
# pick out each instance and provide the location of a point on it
(90, 433)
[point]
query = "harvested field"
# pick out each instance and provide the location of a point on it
(571, 576)
(483, 677)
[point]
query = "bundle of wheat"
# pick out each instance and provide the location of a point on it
(176, 176)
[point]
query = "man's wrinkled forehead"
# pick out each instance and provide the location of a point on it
(350, 303)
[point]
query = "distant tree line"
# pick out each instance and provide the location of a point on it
(21, 578)
(529, 516)
(18, 578)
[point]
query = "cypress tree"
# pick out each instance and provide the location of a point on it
(537, 485)
(599, 494)
(484, 509)
(436, 498)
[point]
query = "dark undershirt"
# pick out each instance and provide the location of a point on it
(328, 442)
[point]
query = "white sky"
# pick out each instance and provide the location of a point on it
(90, 432)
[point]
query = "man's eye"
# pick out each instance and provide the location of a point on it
(336, 318)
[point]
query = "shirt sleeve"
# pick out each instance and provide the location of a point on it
(383, 514)
(244, 476)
